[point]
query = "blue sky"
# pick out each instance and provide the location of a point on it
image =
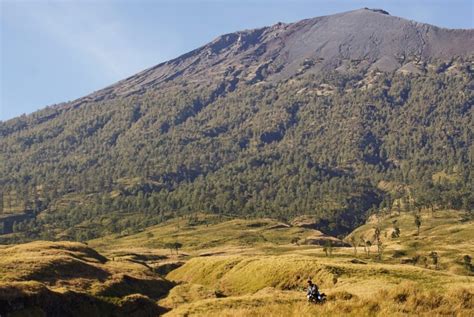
(55, 51)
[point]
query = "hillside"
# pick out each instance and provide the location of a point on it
(223, 270)
(306, 118)
(454, 229)
(70, 279)
(266, 278)
(448, 232)
(208, 235)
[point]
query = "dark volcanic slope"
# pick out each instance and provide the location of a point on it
(355, 40)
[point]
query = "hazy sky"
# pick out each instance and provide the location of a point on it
(55, 51)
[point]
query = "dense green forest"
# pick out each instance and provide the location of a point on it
(336, 146)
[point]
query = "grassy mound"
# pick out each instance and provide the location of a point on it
(35, 299)
(71, 279)
(50, 261)
(69, 264)
(241, 275)
(121, 285)
(208, 232)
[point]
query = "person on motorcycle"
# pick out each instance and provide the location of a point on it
(313, 291)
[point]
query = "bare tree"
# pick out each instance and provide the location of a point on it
(353, 242)
(380, 245)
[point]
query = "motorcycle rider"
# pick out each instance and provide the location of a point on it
(312, 291)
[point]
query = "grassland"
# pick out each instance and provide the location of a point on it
(404, 300)
(254, 267)
(207, 232)
(448, 233)
(36, 278)
(245, 267)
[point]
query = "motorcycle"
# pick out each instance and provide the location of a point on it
(317, 298)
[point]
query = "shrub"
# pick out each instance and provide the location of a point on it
(341, 295)
(399, 253)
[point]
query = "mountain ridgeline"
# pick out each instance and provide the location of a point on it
(333, 117)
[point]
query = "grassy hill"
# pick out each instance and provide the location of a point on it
(70, 279)
(271, 285)
(211, 234)
(449, 233)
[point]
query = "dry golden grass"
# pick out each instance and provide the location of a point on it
(72, 266)
(242, 274)
(211, 234)
(121, 285)
(46, 261)
(242, 258)
(372, 289)
(212, 307)
(250, 268)
(404, 300)
(447, 232)
(235, 275)
(39, 276)
(50, 261)
(187, 293)
(21, 299)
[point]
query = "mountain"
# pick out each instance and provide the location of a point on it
(332, 117)
(359, 40)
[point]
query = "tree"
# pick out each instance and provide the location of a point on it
(396, 230)
(177, 246)
(417, 223)
(196, 168)
(295, 240)
(416, 259)
(380, 245)
(405, 203)
(353, 242)
(399, 194)
(435, 258)
(424, 259)
(433, 198)
(169, 246)
(467, 262)
(328, 248)
(367, 245)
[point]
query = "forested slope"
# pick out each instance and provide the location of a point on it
(233, 131)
